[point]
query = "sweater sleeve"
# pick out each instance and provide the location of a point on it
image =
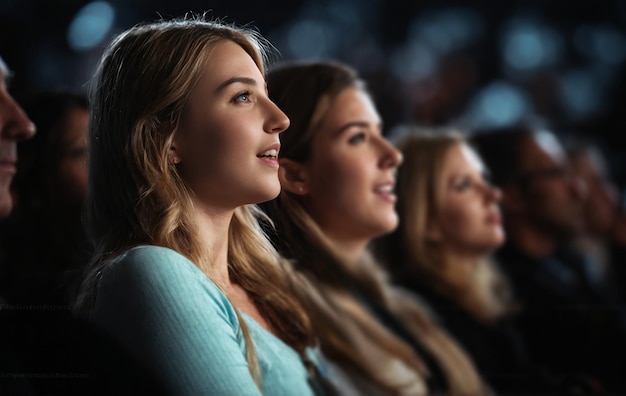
(166, 313)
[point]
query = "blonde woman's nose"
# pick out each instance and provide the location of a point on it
(496, 193)
(491, 193)
(277, 120)
(392, 157)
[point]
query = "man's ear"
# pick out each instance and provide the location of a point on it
(293, 177)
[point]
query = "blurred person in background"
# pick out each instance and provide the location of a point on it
(564, 320)
(450, 225)
(15, 126)
(337, 172)
(45, 349)
(601, 210)
(47, 247)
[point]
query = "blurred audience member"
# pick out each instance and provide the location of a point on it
(46, 247)
(44, 349)
(14, 126)
(564, 319)
(450, 224)
(337, 173)
(600, 210)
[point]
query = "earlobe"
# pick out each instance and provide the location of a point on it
(173, 156)
(293, 177)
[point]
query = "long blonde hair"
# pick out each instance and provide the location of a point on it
(350, 336)
(136, 196)
(481, 290)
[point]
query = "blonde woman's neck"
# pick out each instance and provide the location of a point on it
(349, 250)
(466, 260)
(213, 233)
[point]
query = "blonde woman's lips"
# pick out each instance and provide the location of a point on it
(269, 156)
(385, 191)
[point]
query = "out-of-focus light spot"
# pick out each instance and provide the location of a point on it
(603, 43)
(344, 24)
(580, 94)
(90, 25)
(499, 104)
(528, 46)
(524, 50)
(413, 62)
(349, 19)
(446, 30)
(310, 38)
(368, 56)
(344, 12)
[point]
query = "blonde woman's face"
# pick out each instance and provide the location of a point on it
(226, 148)
(468, 220)
(352, 171)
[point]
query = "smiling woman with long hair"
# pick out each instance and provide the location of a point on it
(183, 141)
(337, 173)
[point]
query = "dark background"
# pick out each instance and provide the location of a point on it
(468, 64)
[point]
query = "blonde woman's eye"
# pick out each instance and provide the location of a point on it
(463, 185)
(358, 138)
(243, 97)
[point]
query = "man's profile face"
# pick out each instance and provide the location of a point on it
(14, 126)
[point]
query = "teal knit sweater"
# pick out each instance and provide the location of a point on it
(171, 317)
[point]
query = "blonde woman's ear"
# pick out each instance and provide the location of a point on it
(173, 156)
(293, 177)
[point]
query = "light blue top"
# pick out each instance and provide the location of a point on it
(172, 317)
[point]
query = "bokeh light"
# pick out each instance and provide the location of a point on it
(90, 25)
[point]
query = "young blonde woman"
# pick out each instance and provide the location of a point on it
(337, 173)
(183, 139)
(450, 223)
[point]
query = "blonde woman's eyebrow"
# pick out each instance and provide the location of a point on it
(355, 124)
(233, 80)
